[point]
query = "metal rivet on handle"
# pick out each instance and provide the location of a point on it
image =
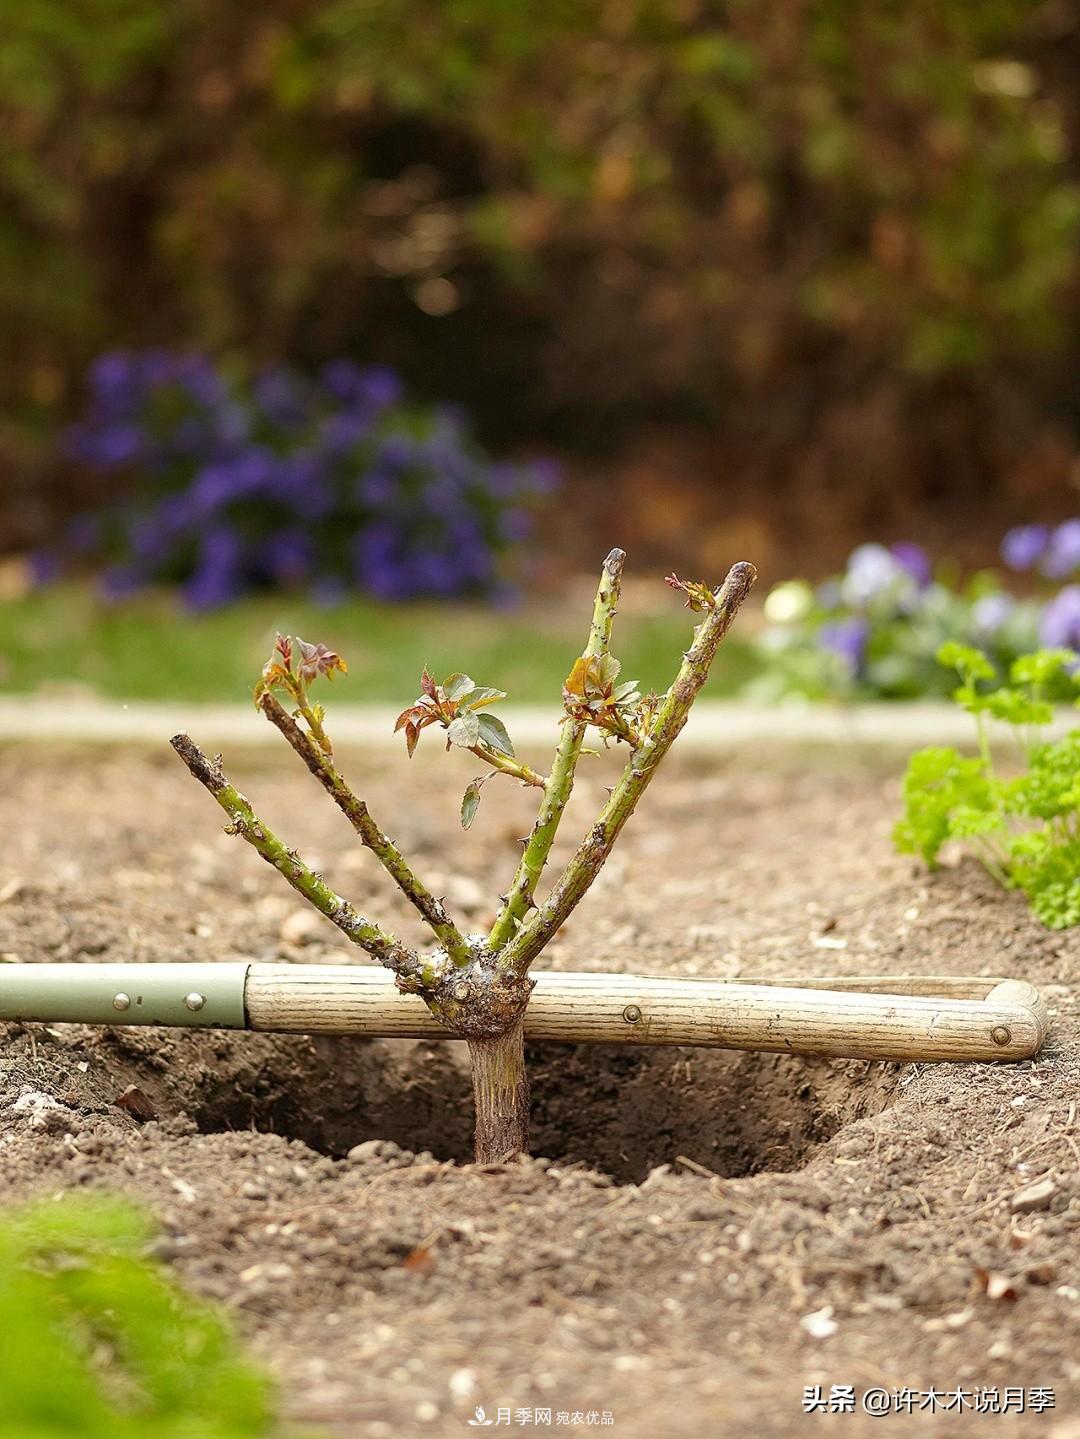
(1000, 1035)
(121, 1001)
(631, 1014)
(194, 1000)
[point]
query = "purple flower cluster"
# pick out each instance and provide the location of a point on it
(1059, 627)
(875, 629)
(846, 639)
(1054, 552)
(880, 623)
(879, 584)
(333, 484)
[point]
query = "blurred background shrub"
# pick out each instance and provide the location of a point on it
(331, 486)
(769, 277)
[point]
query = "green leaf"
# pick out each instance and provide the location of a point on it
(607, 670)
(1025, 830)
(966, 820)
(970, 662)
(493, 734)
(970, 699)
(470, 803)
(1017, 708)
(100, 1342)
(938, 782)
(1042, 666)
(481, 695)
(455, 685)
(465, 730)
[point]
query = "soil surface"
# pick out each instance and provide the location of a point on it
(700, 1235)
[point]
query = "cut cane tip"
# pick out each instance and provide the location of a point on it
(742, 576)
(615, 561)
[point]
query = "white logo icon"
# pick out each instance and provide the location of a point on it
(481, 1420)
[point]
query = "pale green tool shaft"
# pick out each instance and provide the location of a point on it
(203, 995)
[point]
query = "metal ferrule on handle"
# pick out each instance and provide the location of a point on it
(900, 1017)
(202, 996)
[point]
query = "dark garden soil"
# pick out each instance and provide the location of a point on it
(701, 1235)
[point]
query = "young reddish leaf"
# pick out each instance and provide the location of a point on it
(427, 684)
(316, 660)
(698, 596)
(575, 683)
(274, 677)
(412, 737)
(404, 717)
(470, 803)
(493, 734)
(465, 730)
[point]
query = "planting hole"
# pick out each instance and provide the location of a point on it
(616, 1109)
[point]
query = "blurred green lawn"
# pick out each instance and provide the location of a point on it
(65, 640)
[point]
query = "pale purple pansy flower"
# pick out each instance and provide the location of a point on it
(990, 613)
(1023, 546)
(872, 571)
(1059, 627)
(914, 560)
(1062, 557)
(847, 640)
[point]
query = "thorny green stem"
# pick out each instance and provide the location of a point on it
(404, 962)
(520, 896)
(356, 812)
(669, 720)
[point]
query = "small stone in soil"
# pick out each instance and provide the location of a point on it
(379, 1151)
(1033, 1196)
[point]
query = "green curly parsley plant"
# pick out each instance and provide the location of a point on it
(1026, 829)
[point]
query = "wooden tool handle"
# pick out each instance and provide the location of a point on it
(897, 1017)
